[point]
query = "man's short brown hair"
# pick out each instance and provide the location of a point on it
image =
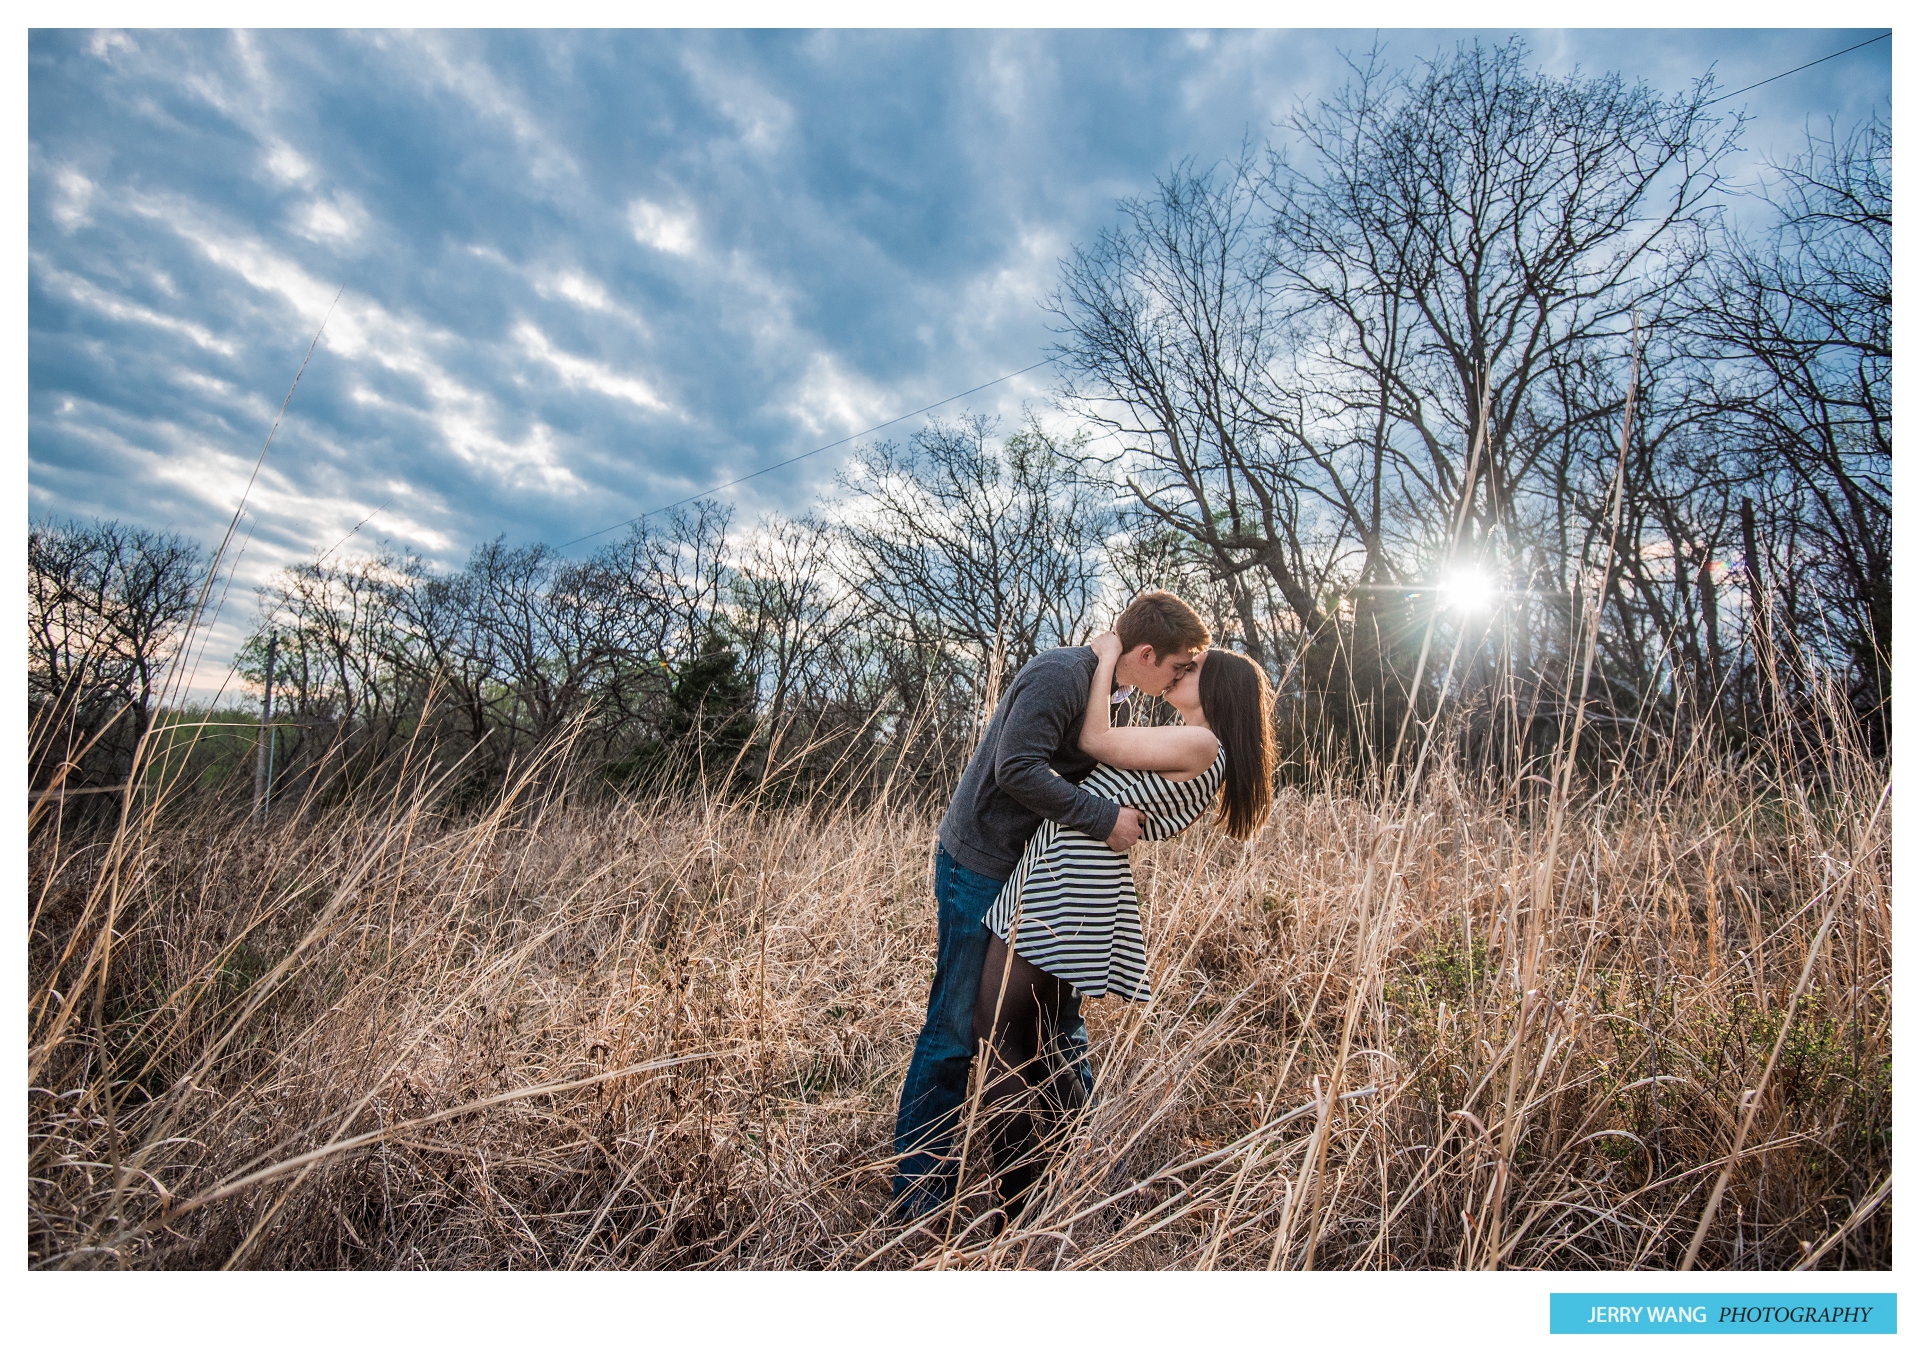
(1163, 621)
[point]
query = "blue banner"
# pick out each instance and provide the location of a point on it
(1665, 1315)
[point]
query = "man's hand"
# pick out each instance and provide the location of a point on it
(1126, 831)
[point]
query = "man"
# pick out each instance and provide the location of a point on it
(1027, 767)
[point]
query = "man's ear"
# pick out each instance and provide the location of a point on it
(1145, 655)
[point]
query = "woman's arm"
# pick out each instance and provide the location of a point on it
(1159, 750)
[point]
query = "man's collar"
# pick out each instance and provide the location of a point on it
(1121, 693)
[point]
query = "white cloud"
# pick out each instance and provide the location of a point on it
(583, 291)
(1004, 294)
(762, 117)
(663, 228)
(492, 99)
(252, 60)
(363, 330)
(338, 219)
(70, 208)
(1010, 76)
(830, 401)
(86, 293)
(589, 294)
(107, 41)
(199, 380)
(467, 424)
(260, 267)
(287, 164)
(247, 107)
(579, 371)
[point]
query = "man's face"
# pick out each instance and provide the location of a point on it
(1169, 671)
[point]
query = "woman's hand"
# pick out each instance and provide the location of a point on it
(1106, 646)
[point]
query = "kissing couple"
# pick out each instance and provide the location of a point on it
(1034, 894)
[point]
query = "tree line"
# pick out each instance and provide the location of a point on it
(1476, 364)
(1403, 345)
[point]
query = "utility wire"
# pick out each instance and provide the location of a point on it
(809, 454)
(1797, 69)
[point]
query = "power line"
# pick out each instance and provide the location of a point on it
(808, 454)
(1797, 69)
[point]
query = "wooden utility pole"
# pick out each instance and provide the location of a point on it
(263, 751)
(1759, 617)
(1756, 593)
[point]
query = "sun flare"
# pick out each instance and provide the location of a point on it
(1470, 591)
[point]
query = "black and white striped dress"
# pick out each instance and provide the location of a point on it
(1070, 907)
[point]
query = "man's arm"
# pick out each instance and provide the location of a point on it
(1036, 727)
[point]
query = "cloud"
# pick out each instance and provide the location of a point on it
(83, 292)
(336, 219)
(587, 274)
(761, 117)
(490, 96)
(582, 373)
(831, 400)
(287, 164)
(581, 290)
(103, 43)
(75, 191)
(658, 227)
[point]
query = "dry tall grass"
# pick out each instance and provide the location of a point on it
(1460, 1030)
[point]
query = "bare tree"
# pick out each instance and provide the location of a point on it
(1802, 321)
(792, 611)
(1172, 345)
(339, 667)
(443, 648)
(552, 625)
(106, 604)
(985, 552)
(1344, 373)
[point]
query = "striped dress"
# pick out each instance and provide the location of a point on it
(1070, 907)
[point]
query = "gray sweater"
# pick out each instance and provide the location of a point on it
(1028, 767)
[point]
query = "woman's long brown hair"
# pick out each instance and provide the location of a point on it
(1238, 704)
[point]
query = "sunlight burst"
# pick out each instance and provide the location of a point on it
(1469, 590)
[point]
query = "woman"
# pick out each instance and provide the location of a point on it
(1068, 919)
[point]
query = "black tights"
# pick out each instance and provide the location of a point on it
(1026, 1086)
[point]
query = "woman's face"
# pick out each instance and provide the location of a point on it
(1184, 693)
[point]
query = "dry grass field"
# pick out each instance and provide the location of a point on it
(1456, 1031)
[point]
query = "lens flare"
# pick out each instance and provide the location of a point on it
(1470, 591)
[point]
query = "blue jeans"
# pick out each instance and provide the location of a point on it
(936, 1089)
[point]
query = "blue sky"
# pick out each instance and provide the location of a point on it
(588, 274)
